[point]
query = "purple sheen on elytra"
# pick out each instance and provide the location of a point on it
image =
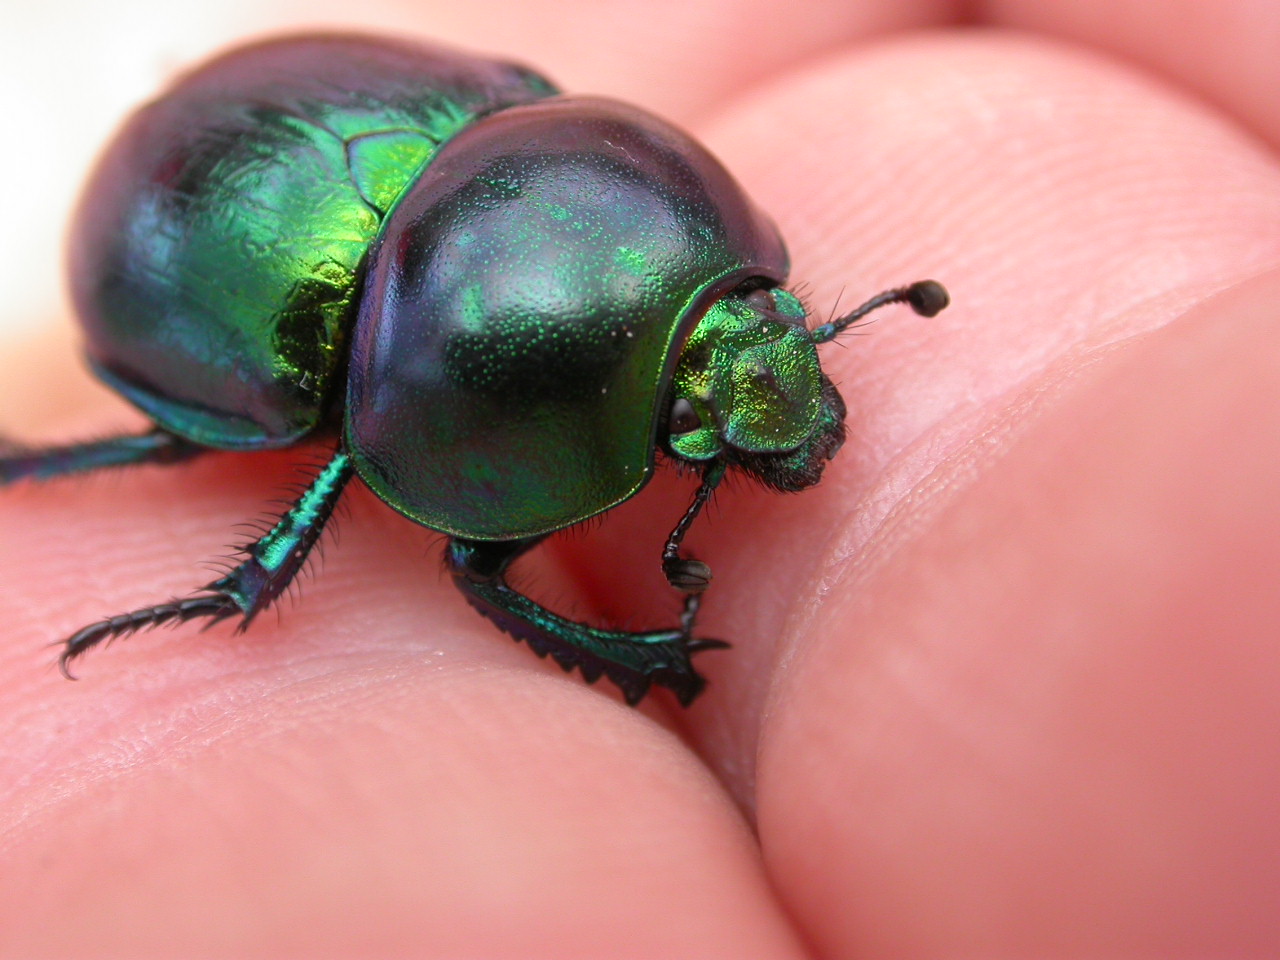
(511, 299)
(524, 308)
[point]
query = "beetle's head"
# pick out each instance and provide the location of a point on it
(748, 387)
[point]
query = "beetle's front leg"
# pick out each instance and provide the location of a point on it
(691, 576)
(633, 661)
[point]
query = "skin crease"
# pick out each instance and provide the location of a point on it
(1002, 685)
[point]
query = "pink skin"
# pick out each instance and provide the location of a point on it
(1004, 684)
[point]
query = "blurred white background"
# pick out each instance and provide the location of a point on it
(70, 71)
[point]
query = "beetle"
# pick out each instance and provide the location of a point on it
(501, 301)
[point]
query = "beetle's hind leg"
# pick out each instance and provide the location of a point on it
(270, 564)
(45, 463)
(633, 661)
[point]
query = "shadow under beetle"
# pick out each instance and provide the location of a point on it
(503, 300)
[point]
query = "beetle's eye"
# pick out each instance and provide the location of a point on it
(761, 299)
(684, 419)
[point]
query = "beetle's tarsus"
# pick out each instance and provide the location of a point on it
(215, 606)
(270, 563)
(501, 388)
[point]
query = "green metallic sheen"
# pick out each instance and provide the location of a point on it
(511, 299)
(752, 376)
(274, 559)
(279, 546)
(217, 257)
(525, 308)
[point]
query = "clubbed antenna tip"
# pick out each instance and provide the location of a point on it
(928, 297)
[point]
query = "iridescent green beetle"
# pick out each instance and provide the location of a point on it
(503, 301)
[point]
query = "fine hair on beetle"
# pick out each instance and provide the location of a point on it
(499, 306)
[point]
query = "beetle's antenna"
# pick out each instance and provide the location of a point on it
(926, 297)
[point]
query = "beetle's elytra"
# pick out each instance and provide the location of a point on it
(500, 300)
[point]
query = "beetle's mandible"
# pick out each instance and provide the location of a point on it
(499, 301)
